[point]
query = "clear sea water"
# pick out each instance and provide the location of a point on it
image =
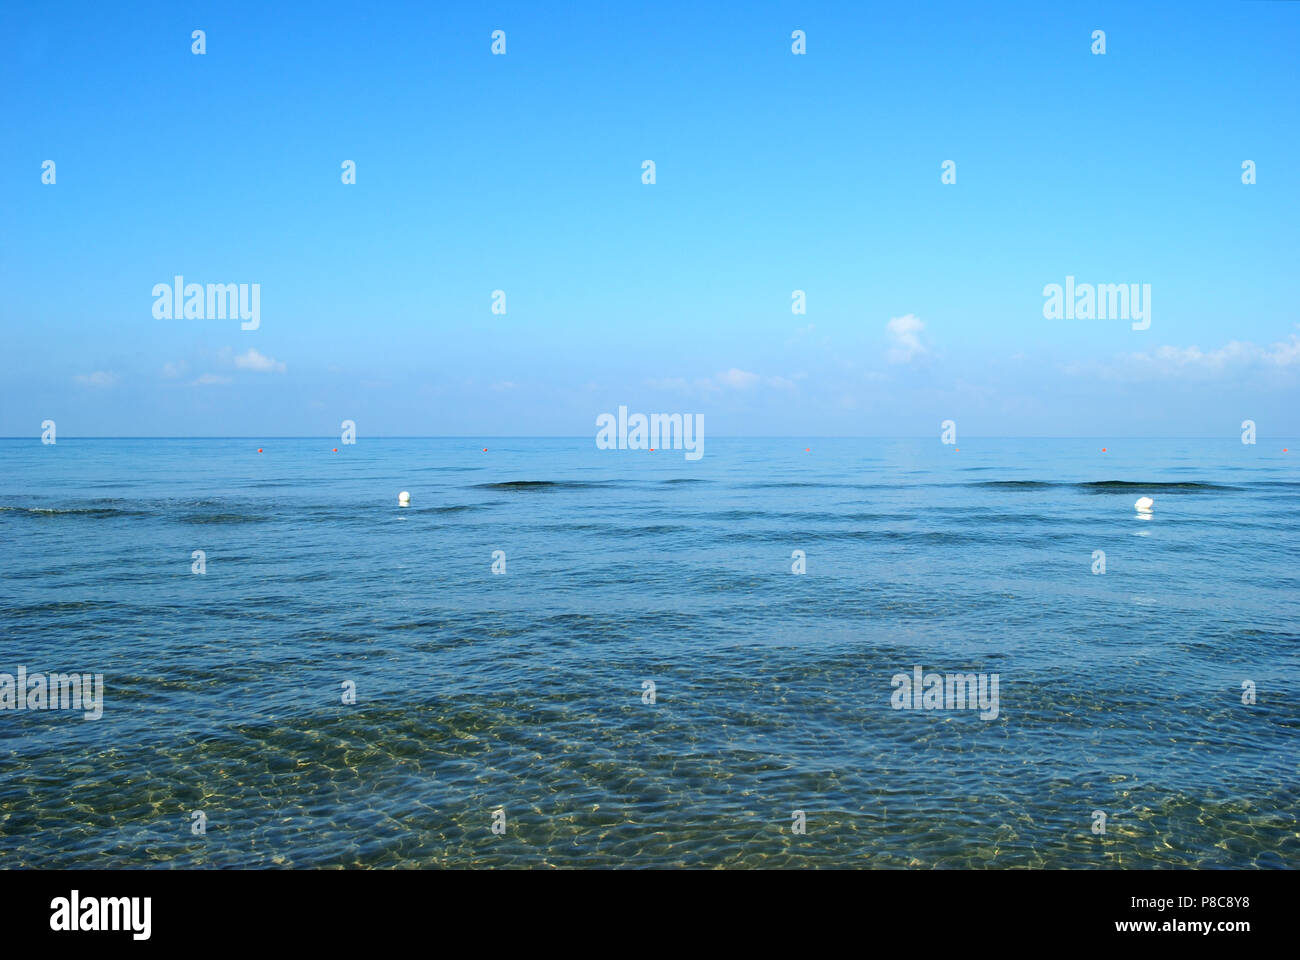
(1119, 692)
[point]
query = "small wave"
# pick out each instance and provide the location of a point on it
(738, 515)
(1015, 484)
(75, 511)
(1119, 486)
(542, 485)
(1109, 486)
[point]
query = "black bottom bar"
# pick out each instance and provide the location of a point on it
(340, 909)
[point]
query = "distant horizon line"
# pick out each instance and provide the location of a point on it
(734, 436)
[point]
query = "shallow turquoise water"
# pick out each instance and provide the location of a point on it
(476, 692)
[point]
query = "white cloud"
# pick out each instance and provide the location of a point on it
(252, 360)
(676, 384)
(738, 379)
(733, 379)
(100, 378)
(1236, 356)
(905, 332)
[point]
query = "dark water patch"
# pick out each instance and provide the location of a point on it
(204, 518)
(931, 538)
(686, 480)
(424, 624)
(544, 485)
(564, 527)
(308, 577)
(1014, 484)
(1110, 486)
(741, 515)
(54, 608)
(1120, 486)
(652, 530)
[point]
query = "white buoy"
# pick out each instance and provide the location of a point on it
(403, 499)
(1144, 505)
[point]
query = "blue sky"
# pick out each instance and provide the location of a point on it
(774, 172)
